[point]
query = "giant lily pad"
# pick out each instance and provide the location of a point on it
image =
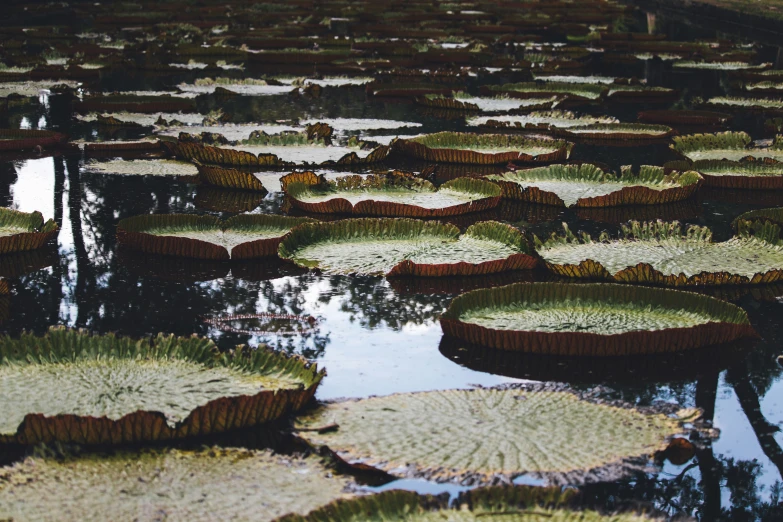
(393, 194)
(546, 120)
(593, 319)
(464, 102)
(246, 86)
(21, 231)
(504, 503)
(730, 146)
(770, 215)
(245, 236)
(719, 66)
(230, 131)
(484, 435)
(276, 153)
(145, 104)
(659, 252)
(73, 387)
(142, 118)
(740, 103)
(406, 247)
(151, 167)
(749, 175)
(586, 185)
(205, 484)
(459, 147)
(631, 133)
(26, 139)
(575, 91)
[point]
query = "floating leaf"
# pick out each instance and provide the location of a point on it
(739, 102)
(748, 175)
(586, 185)
(577, 91)
(484, 435)
(719, 66)
(276, 155)
(684, 117)
(632, 133)
(464, 102)
(504, 503)
(394, 194)
(206, 484)
(70, 386)
(539, 120)
(22, 231)
(246, 236)
(593, 319)
(151, 167)
(459, 147)
(245, 86)
(27, 139)
(730, 146)
(406, 247)
(660, 253)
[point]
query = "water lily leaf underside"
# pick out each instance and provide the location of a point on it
(481, 435)
(72, 387)
(592, 319)
(401, 246)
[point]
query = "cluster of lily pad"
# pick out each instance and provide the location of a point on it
(362, 218)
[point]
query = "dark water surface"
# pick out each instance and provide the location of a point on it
(380, 337)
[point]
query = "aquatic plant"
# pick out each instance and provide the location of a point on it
(587, 185)
(592, 319)
(397, 247)
(70, 386)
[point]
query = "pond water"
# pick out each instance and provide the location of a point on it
(377, 336)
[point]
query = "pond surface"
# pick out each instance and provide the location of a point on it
(377, 336)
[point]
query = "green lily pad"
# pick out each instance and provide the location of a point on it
(586, 185)
(246, 86)
(740, 102)
(73, 387)
(484, 435)
(764, 215)
(499, 503)
(406, 247)
(392, 194)
(245, 236)
(732, 146)
(22, 231)
(585, 91)
(466, 102)
(719, 66)
(142, 118)
(151, 167)
(592, 319)
(539, 119)
(624, 132)
(460, 147)
(171, 484)
(660, 253)
(749, 175)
